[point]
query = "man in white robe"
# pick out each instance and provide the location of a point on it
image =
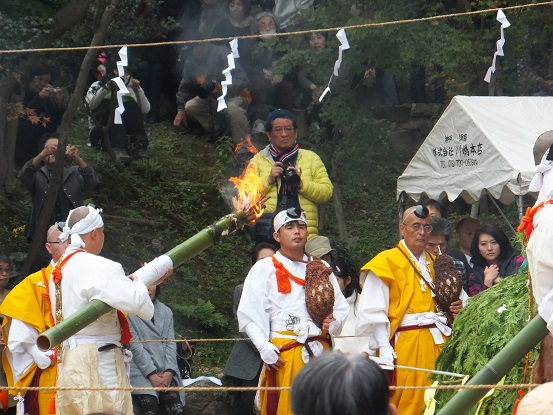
(93, 357)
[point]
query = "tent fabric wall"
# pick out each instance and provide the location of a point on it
(479, 144)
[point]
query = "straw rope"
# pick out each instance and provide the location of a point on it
(241, 389)
(296, 33)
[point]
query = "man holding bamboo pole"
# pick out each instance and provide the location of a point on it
(94, 358)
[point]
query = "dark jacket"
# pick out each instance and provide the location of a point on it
(244, 361)
(209, 67)
(74, 182)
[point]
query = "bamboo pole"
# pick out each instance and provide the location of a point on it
(179, 254)
(498, 367)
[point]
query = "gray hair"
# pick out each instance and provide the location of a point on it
(440, 226)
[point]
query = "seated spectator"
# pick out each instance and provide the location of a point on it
(268, 90)
(238, 21)
(291, 177)
(102, 101)
(244, 362)
(46, 102)
(154, 364)
(348, 280)
(335, 384)
(313, 76)
(36, 175)
(493, 258)
(200, 87)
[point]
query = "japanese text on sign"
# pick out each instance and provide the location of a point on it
(457, 153)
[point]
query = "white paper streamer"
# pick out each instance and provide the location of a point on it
(221, 104)
(344, 45)
(501, 18)
(121, 85)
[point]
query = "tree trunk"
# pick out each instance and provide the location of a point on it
(8, 132)
(64, 132)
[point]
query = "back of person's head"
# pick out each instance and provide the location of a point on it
(506, 250)
(440, 226)
(538, 402)
(259, 248)
(279, 113)
(346, 271)
(434, 207)
(335, 384)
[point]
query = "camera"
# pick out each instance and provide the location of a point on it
(291, 177)
(206, 88)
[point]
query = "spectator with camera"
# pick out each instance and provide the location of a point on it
(291, 177)
(43, 105)
(131, 134)
(36, 175)
(200, 87)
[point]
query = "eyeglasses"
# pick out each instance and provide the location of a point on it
(417, 227)
(279, 130)
(5, 270)
(54, 242)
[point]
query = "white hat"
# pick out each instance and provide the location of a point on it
(289, 215)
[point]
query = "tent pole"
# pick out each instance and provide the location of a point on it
(502, 214)
(474, 209)
(401, 208)
(520, 207)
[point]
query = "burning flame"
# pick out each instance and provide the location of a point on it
(247, 145)
(250, 195)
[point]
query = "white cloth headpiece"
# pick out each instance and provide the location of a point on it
(284, 217)
(92, 221)
(543, 179)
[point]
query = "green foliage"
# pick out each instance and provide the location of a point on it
(480, 332)
(202, 312)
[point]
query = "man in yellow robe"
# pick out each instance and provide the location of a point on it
(398, 312)
(27, 313)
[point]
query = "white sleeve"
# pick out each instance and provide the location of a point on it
(341, 308)
(373, 308)
(267, 350)
(22, 340)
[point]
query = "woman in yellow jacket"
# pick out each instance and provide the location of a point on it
(291, 176)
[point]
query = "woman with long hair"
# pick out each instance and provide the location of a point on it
(493, 256)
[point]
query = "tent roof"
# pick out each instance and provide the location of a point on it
(479, 144)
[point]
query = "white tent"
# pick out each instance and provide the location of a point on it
(479, 144)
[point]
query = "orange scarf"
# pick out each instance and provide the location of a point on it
(284, 276)
(126, 335)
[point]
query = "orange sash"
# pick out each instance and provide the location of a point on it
(284, 276)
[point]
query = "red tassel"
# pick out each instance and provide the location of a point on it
(517, 402)
(126, 335)
(4, 399)
(52, 407)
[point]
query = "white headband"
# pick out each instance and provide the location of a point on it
(92, 221)
(282, 218)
